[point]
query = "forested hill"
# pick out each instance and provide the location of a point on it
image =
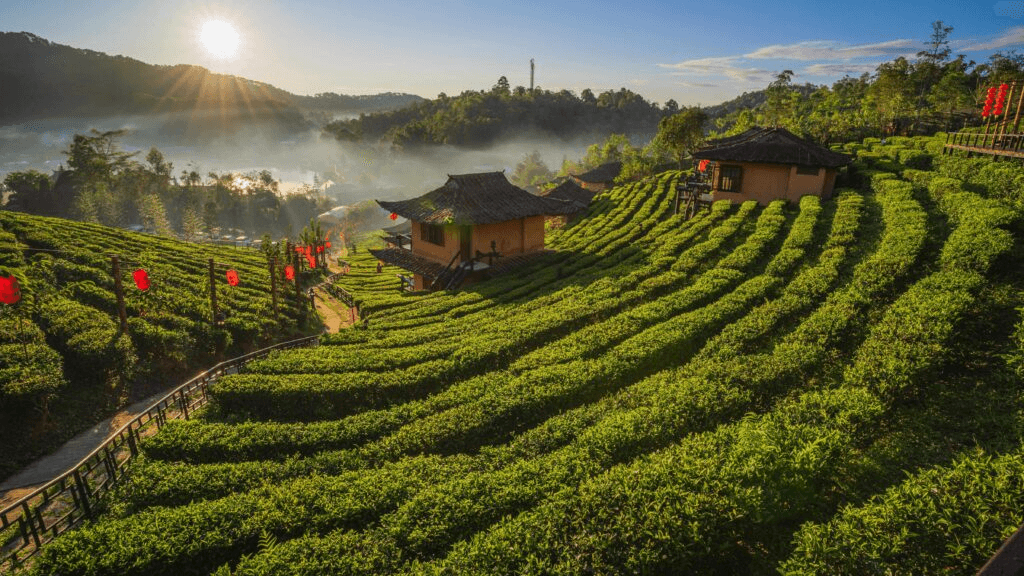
(480, 118)
(44, 79)
(752, 101)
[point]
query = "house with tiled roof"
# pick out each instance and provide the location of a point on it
(766, 164)
(569, 191)
(458, 230)
(599, 179)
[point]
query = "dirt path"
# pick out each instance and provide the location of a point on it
(334, 313)
(71, 453)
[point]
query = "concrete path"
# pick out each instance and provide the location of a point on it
(71, 453)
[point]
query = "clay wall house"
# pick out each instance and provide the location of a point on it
(458, 230)
(569, 191)
(599, 179)
(766, 164)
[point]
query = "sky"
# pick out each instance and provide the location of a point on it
(694, 53)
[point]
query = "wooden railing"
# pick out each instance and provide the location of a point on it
(996, 144)
(66, 501)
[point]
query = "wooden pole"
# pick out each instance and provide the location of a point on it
(119, 292)
(298, 292)
(213, 294)
(1016, 116)
(273, 285)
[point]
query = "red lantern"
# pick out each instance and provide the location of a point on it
(232, 277)
(141, 279)
(703, 165)
(307, 250)
(10, 291)
(328, 244)
(311, 260)
(289, 272)
(319, 249)
(393, 216)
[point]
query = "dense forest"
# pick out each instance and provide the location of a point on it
(477, 119)
(105, 185)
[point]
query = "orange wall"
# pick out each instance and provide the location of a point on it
(767, 182)
(510, 237)
(804, 184)
(434, 252)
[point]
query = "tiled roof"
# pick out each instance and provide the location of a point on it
(481, 198)
(570, 191)
(603, 173)
(405, 259)
(771, 146)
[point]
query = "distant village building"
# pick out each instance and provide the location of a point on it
(466, 228)
(599, 179)
(766, 164)
(569, 191)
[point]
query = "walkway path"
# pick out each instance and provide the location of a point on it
(72, 452)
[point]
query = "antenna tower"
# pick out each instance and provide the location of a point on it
(531, 74)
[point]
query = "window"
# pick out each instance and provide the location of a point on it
(729, 178)
(432, 233)
(808, 170)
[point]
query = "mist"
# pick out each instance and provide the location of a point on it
(214, 142)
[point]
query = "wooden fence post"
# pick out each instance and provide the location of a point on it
(273, 285)
(119, 292)
(213, 295)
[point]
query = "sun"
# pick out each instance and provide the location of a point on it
(219, 38)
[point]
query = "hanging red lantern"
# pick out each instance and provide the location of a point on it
(328, 244)
(311, 260)
(703, 165)
(141, 278)
(393, 216)
(308, 250)
(10, 291)
(319, 249)
(232, 277)
(289, 272)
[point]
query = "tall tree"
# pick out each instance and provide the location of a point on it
(682, 133)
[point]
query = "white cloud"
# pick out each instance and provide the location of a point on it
(719, 66)
(1012, 37)
(697, 84)
(829, 50)
(839, 69)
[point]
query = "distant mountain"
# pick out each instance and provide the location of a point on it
(42, 79)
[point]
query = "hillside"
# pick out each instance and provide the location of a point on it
(64, 362)
(42, 79)
(477, 119)
(823, 387)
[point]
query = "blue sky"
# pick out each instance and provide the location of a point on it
(695, 53)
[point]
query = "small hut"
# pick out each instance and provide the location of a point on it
(458, 230)
(569, 191)
(766, 164)
(599, 179)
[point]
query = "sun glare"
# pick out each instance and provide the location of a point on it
(219, 38)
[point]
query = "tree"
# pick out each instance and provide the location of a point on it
(938, 44)
(531, 172)
(671, 106)
(682, 133)
(779, 104)
(502, 87)
(32, 193)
